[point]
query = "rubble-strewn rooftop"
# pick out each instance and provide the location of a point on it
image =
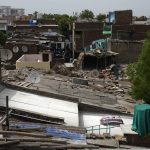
(102, 89)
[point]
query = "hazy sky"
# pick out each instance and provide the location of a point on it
(139, 7)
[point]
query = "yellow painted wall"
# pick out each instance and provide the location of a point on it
(37, 65)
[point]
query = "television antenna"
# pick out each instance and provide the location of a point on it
(6, 54)
(33, 77)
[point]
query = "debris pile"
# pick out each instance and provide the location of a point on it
(105, 82)
(26, 130)
(27, 134)
(61, 69)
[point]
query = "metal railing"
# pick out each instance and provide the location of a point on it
(99, 128)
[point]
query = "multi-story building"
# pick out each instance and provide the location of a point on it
(5, 10)
(17, 12)
(3, 25)
(8, 11)
(86, 32)
(126, 36)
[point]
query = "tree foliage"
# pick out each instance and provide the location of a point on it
(48, 16)
(86, 14)
(131, 71)
(101, 17)
(63, 21)
(141, 75)
(35, 14)
(3, 38)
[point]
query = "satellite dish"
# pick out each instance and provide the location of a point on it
(60, 39)
(33, 77)
(15, 49)
(6, 54)
(24, 48)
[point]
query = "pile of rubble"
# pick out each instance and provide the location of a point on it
(19, 130)
(105, 81)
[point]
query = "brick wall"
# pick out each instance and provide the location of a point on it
(130, 32)
(128, 51)
(80, 26)
(86, 33)
(123, 17)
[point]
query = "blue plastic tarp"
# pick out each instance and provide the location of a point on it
(64, 134)
(51, 131)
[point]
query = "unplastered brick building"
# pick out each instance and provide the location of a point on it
(86, 32)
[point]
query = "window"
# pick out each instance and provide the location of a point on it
(45, 57)
(58, 45)
(93, 46)
(53, 46)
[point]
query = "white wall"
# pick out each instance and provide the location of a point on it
(93, 119)
(33, 60)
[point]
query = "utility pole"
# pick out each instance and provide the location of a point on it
(73, 40)
(0, 67)
(7, 115)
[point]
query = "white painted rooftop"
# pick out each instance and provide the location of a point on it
(41, 105)
(88, 119)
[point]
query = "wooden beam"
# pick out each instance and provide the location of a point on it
(3, 119)
(23, 134)
(35, 140)
(71, 146)
(9, 143)
(7, 113)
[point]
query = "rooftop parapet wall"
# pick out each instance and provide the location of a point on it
(35, 61)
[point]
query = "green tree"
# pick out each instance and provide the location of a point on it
(3, 38)
(141, 79)
(64, 21)
(131, 71)
(35, 14)
(101, 17)
(48, 16)
(86, 14)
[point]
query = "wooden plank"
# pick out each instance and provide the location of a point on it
(51, 146)
(4, 117)
(36, 119)
(71, 146)
(60, 141)
(27, 84)
(22, 134)
(37, 144)
(108, 143)
(22, 83)
(9, 143)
